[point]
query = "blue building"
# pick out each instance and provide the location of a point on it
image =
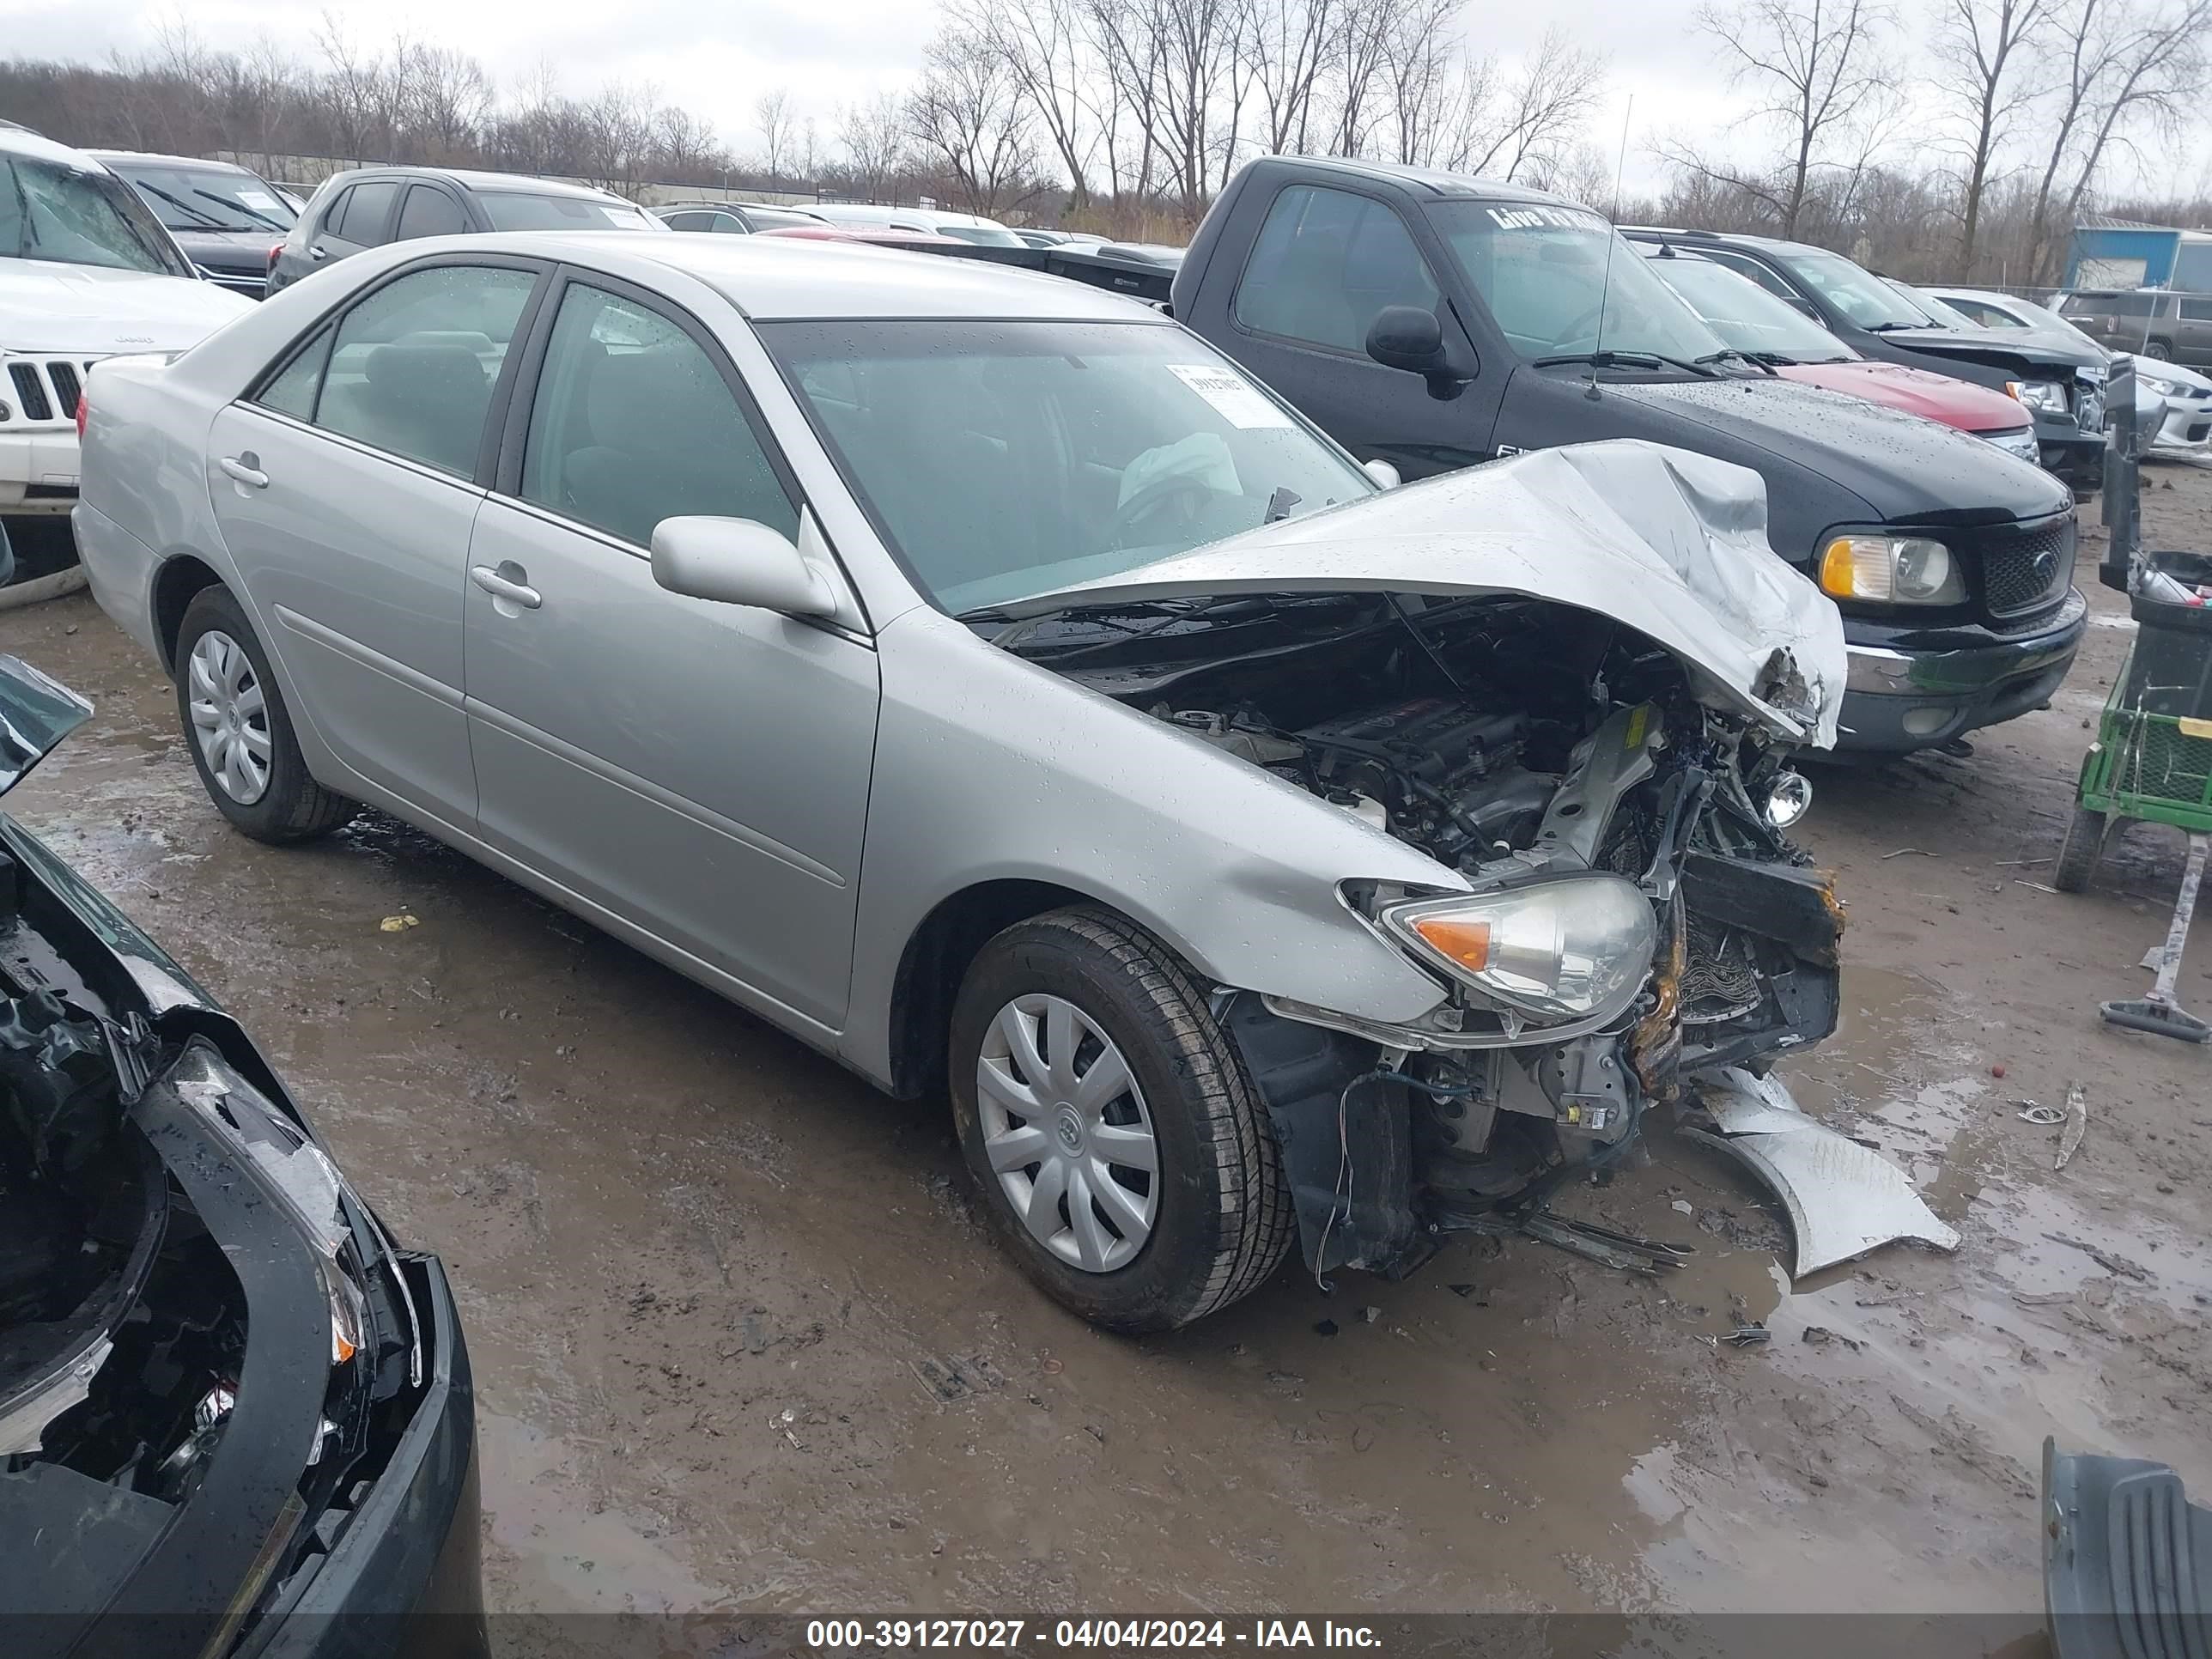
(2124, 253)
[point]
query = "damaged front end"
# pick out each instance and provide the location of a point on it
(1583, 714)
(230, 1408)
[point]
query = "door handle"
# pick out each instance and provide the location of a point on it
(505, 587)
(318, 252)
(245, 468)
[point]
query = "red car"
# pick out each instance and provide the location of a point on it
(1770, 330)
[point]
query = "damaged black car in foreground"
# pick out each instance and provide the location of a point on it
(234, 1416)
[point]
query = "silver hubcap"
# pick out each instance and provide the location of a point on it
(230, 717)
(1066, 1131)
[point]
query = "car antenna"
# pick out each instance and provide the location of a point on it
(1613, 236)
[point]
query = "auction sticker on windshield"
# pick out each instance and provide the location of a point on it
(1234, 398)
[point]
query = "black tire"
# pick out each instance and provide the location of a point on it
(2078, 855)
(1223, 1216)
(2160, 350)
(294, 807)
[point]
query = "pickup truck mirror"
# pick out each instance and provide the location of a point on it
(1408, 337)
(737, 561)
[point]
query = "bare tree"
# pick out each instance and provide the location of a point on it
(1287, 45)
(1539, 112)
(356, 92)
(1816, 66)
(440, 99)
(773, 115)
(1044, 48)
(970, 115)
(2119, 63)
(873, 138)
(1980, 47)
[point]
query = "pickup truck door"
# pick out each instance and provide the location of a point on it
(1324, 261)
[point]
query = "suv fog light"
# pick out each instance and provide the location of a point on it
(1928, 718)
(1789, 799)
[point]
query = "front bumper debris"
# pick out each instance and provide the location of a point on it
(1843, 1199)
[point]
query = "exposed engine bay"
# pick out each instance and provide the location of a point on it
(157, 1208)
(1514, 741)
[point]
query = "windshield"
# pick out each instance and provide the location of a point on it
(1002, 460)
(512, 210)
(1561, 281)
(207, 198)
(981, 235)
(71, 215)
(1861, 295)
(1941, 310)
(1748, 317)
(2026, 314)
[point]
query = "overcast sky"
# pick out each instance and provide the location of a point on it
(716, 55)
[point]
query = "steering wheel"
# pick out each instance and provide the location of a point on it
(1151, 500)
(1588, 319)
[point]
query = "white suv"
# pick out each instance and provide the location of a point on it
(86, 272)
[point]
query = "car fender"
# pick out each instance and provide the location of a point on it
(992, 769)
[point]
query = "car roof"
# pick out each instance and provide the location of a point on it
(492, 183)
(1432, 180)
(790, 278)
(1721, 238)
(113, 156)
(22, 141)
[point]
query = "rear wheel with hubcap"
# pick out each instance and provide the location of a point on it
(1123, 1152)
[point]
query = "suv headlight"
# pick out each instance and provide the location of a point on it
(1574, 948)
(1891, 570)
(2040, 394)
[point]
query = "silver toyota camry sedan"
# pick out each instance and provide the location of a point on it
(980, 678)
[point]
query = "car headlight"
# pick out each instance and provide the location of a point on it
(2163, 388)
(1575, 948)
(1891, 570)
(2040, 394)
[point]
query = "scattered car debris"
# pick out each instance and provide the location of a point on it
(400, 924)
(1904, 852)
(2042, 1116)
(1325, 1327)
(2077, 1125)
(955, 1377)
(2127, 1559)
(1370, 1314)
(1819, 1336)
(1748, 1336)
(2104, 1259)
(1843, 1199)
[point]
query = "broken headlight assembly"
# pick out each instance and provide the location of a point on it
(1891, 570)
(1564, 950)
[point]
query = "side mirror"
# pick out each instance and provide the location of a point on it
(1383, 472)
(737, 561)
(1408, 337)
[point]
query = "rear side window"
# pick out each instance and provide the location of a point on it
(2113, 305)
(690, 222)
(1325, 262)
(367, 209)
(2198, 311)
(428, 212)
(411, 368)
(334, 215)
(633, 423)
(1757, 272)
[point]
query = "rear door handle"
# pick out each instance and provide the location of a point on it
(505, 587)
(245, 468)
(318, 252)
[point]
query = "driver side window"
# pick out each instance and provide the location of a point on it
(1324, 264)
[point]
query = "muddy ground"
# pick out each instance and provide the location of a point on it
(743, 1342)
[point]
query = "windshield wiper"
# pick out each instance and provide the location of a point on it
(1896, 328)
(208, 220)
(1610, 358)
(1762, 359)
(225, 201)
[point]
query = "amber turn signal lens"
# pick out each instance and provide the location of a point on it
(1467, 943)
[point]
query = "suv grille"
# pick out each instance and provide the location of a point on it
(45, 390)
(2026, 568)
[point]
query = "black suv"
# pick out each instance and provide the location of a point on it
(2064, 387)
(370, 206)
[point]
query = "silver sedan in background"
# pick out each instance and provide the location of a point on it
(980, 678)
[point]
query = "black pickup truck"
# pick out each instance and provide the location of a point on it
(1434, 321)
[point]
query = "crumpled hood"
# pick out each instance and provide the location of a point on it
(87, 310)
(1671, 543)
(1920, 392)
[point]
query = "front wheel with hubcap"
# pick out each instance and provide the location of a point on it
(1122, 1151)
(241, 733)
